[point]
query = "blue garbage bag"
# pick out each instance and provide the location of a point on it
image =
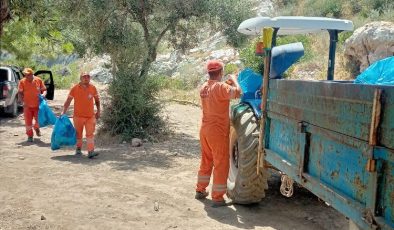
(45, 114)
(250, 83)
(63, 133)
(379, 73)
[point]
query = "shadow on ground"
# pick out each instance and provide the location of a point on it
(125, 157)
(36, 142)
(303, 207)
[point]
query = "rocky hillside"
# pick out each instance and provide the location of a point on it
(191, 65)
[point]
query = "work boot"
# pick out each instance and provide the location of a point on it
(78, 152)
(29, 139)
(38, 132)
(220, 203)
(92, 154)
(201, 195)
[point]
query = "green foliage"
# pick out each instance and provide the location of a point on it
(22, 39)
(248, 57)
(230, 14)
(324, 8)
(133, 110)
(165, 82)
(230, 68)
(129, 32)
(365, 9)
(343, 36)
(304, 39)
(65, 82)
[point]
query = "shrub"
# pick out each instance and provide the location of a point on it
(249, 59)
(165, 82)
(65, 82)
(230, 68)
(132, 110)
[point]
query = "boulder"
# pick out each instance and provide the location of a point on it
(136, 142)
(102, 75)
(370, 43)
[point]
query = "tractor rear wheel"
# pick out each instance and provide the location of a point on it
(244, 185)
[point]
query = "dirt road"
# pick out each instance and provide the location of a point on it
(42, 189)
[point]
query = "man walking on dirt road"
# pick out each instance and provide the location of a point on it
(29, 89)
(214, 132)
(84, 117)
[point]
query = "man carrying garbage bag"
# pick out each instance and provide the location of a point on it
(29, 89)
(84, 116)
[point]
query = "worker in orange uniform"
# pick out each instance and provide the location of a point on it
(29, 89)
(84, 116)
(214, 132)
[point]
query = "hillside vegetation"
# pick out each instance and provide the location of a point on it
(361, 12)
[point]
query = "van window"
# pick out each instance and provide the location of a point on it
(3, 75)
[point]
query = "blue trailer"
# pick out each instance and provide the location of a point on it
(335, 138)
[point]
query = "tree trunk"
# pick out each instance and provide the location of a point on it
(151, 57)
(4, 13)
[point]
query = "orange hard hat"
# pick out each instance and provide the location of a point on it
(214, 65)
(27, 71)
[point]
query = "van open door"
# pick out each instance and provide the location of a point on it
(47, 78)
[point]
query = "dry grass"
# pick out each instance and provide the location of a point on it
(316, 67)
(191, 97)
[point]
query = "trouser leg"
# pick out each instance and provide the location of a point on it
(28, 115)
(35, 117)
(79, 123)
(206, 164)
(90, 127)
(220, 153)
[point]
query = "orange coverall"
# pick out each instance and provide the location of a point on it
(214, 136)
(30, 91)
(84, 116)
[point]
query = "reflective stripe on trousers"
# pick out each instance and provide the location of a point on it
(29, 114)
(214, 157)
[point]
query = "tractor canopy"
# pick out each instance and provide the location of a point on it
(292, 25)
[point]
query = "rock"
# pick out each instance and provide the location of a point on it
(64, 71)
(223, 54)
(265, 8)
(370, 43)
(15, 135)
(135, 142)
(156, 206)
(43, 217)
(21, 158)
(102, 75)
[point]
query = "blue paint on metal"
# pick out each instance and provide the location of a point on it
(339, 201)
(318, 133)
(250, 83)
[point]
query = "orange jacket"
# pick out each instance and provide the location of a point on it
(215, 99)
(83, 100)
(31, 90)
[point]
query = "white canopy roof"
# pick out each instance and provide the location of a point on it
(294, 25)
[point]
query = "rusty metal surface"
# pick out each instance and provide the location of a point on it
(341, 107)
(323, 134)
